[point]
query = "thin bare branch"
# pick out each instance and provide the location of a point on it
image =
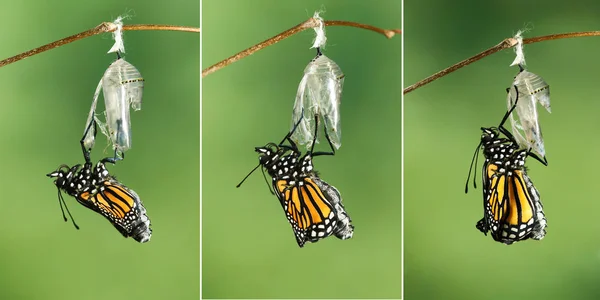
(160, 27)
(310, 23)
(507, 43)
(389, 33)
(102, 28)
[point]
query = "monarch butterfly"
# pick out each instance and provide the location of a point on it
(96, 189)
(313, 207)
(513, 210)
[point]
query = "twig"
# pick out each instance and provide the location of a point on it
(310, 23)
(507, 43)
(102, 28)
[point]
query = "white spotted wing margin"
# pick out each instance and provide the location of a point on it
(310, 225)
(508, 196)
(539, 228)
(344, 229)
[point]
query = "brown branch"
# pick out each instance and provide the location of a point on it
(389, 33)
(507, 43)
(102, 28)
(310, 23)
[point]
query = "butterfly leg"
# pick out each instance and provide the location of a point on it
(86, 152)
(482, 226)
(508, 134)
(501, 126)
(293, 147)
(119, 155)
(315, 139)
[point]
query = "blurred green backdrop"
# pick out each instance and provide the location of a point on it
(446, 256)
(45, 101)
(248, 247)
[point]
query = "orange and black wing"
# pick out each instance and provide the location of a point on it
(122, 207)
(307, 209)
(509, 207)
(539, 228)
(344, 228)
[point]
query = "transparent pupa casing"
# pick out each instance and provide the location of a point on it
(530, 90)
(122, 86)
(89, 131)
(319, 94)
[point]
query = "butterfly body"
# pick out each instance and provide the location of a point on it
(96, 189)
(312, 206)
(512, 207)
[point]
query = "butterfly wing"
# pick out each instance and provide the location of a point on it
(539, 228)
(122, 207)
(510, 207)
(493, 196)
(344, 229)
(307, 209)
(519, 214)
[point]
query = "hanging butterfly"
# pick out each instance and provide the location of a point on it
(313, 207)
(96, 189)
(512, 207)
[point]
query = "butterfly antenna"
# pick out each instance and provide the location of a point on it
(267, 182)
(474, 159)
(475, 173)
(239, 184)
(61, 200)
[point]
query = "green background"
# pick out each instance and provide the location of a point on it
(446, 256)
(248, 247)
(45, 101)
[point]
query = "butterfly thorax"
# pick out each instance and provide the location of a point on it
(77, 179)
(73, 180)
(279, 163)
(502, 152)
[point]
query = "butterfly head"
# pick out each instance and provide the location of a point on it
(489, 135)
(268, 154)
(63, 175)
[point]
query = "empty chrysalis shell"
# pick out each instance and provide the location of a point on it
(122, 85)
(89, 130)
(319, 95)
(529, 89)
